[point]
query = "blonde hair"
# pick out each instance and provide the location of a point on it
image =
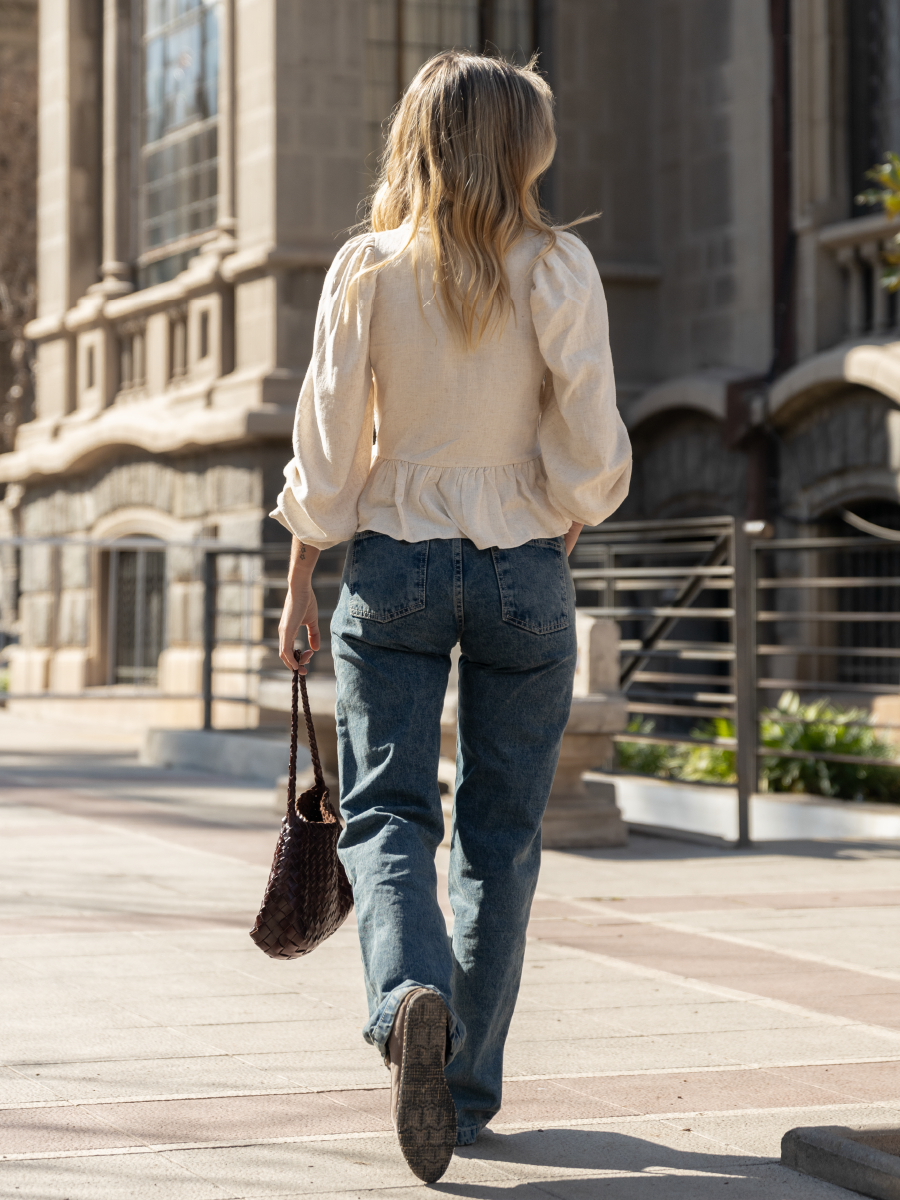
(467, 146)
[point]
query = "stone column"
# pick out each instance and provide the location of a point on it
(819, 174)
(69, 171)
(117, 126)
(226, 221)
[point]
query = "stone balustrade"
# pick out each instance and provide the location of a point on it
(857, 247)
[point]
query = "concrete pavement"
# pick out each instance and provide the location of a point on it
(681, 1008)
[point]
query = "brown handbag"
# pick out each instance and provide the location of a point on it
(308, 894)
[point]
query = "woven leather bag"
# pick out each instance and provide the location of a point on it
(308, 894)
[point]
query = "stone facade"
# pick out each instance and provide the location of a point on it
(18, 119)
(167, 370)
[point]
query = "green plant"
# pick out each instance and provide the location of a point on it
(708, 764)
(822, 727)
(817, 727)
(645, 758)
(711, 763)
(887, 194)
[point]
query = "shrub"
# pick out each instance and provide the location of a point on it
(820, 727)
(707, 764)
(887, 194)
(711, 763)
(645, 758)
(816, 727)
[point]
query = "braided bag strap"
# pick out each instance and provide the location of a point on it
(298, 688)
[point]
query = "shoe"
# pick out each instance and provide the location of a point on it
(422, 1108)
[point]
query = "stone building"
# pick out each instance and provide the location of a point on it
(201, 160)
(18, 120)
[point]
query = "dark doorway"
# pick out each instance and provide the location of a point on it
(137, 580)
(866, 567)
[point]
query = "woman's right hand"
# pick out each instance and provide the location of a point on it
(572, 537)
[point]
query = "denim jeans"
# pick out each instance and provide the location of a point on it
(402, 609)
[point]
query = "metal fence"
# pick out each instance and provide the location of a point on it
(717, 620)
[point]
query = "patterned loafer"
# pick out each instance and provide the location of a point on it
(422, 1108)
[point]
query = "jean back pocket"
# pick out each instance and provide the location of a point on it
(534, 585)
(385, 577)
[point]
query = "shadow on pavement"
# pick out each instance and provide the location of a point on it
(642, 1168)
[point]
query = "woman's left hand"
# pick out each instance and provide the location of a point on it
(300, 608)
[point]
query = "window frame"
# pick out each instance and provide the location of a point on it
(181, 248)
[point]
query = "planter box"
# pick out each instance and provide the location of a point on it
(242, 754)
(712, 811)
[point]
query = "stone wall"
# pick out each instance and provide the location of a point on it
(222, 494)
(228, 489)
(837, 450)
(664, 128)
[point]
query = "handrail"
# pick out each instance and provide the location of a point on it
(666, 621)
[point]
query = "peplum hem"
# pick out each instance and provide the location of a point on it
(503, 506)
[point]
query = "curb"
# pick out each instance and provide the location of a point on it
(861, 1158)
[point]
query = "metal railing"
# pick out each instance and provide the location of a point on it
(258, 622)
(652, 576)
(824, 621)
(659, 579)
(719, 619)
(716, 618)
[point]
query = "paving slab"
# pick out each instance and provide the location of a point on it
(108, 1177)
(681, 1008)
(763, 1135)
(108, 1079)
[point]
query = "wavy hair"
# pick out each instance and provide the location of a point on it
(467, 146)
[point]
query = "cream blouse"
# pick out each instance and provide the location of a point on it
(511, 441)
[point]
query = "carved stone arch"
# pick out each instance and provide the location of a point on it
(703, 391)
(683, 469)
(841, 444)
(137, 521)
(867, 365)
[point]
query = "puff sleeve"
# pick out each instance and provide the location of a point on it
(584, 444)
(333, 425)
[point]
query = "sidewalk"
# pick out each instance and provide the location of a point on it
(681, 1008)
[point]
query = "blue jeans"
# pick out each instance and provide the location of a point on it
(403, 607)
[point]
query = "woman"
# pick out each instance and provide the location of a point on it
(472, 339)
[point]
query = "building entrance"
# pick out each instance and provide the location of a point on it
(136, 608)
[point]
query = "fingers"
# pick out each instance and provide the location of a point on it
(303, 662)
(286, 654)
(298, 610)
